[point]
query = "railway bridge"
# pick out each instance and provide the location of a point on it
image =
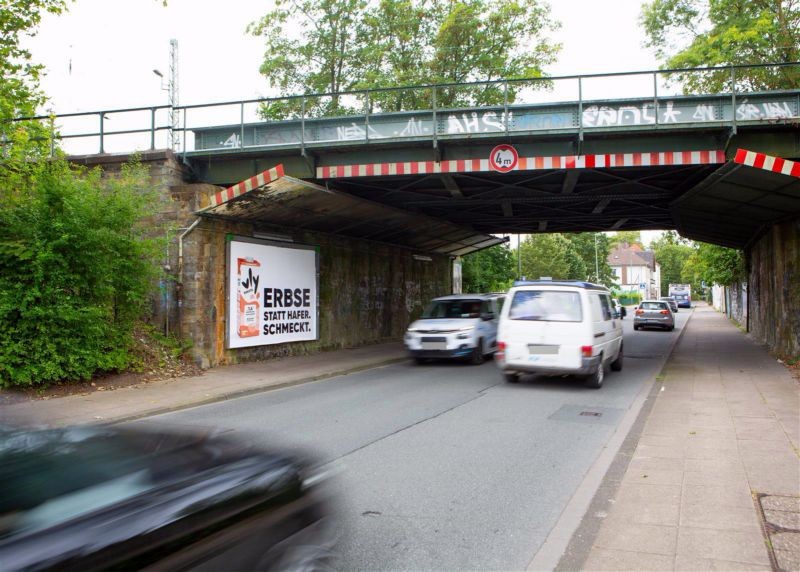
(412, 186)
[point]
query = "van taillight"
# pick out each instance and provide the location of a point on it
(586, 351)
(501, 350)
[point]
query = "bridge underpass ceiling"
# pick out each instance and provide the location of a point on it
(556, 200)
(705, 198)
(273, 199)
(740, 200)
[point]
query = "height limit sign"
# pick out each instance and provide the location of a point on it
(503, 158)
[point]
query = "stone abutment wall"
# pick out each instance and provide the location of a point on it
(368, 292)
(773, 294)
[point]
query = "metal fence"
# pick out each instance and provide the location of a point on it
(579, 104)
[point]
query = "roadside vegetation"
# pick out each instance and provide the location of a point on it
(78, 251)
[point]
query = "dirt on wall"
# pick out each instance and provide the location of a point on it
(774, 288)
(368, 293)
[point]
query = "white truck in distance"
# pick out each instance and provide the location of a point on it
(682, 294)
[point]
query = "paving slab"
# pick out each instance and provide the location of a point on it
(718, 444)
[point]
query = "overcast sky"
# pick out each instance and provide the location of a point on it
(102, 52)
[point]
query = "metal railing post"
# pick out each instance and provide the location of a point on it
(152, 128)
(505, 105)
(303, 124)
(102, 143)
(366, 117)
(733, 100)
(655, 97)
(241, 125)
(185, 112)
(580, 109)
(52, 136)
(435, 126)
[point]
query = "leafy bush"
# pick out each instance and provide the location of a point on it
(76, 270)
(629, 298)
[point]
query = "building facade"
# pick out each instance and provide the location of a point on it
(636, 270)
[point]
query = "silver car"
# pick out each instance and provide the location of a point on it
(673, 303)
(654, 314)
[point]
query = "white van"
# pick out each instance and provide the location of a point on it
(456, 326)
(559, 327)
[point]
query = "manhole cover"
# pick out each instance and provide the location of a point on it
(588, 414)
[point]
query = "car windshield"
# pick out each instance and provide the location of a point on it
(546, 305)
(654, 306)
(448, 309)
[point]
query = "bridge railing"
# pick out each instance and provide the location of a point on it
(578, 103)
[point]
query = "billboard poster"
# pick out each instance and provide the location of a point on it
(272, 293)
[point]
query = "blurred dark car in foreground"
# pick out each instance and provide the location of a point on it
(95, 498)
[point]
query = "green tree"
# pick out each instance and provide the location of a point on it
(324, 58)
(701, 33)
(715, 264)
(629, 237)
(594, 248)
(551, 255)
(76, 270)
(672, 258)
(353, 44)
(489, 270)
(20, 95)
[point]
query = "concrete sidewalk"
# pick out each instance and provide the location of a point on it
(714, 480)
(214, 385)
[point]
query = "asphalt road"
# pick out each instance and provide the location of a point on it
(445, 466)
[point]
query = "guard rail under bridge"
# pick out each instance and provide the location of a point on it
(578, 153)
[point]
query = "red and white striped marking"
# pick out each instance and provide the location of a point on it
(525, 164)
(767, 162)
(247, 185)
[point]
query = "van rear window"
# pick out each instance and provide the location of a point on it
(546, 306)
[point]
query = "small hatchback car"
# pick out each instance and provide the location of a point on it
(654, 314)
(114, 498)
(456, 326)
(673, 304)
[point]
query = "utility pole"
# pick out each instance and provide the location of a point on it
(172, 89)
(173, 94)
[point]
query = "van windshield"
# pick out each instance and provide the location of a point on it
(453, 309)
(546, 305)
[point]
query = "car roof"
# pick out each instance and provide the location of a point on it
(468, 296)
(573, 283)
(656, 301)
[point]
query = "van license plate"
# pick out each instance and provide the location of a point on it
(434, 345)
(542, 349)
